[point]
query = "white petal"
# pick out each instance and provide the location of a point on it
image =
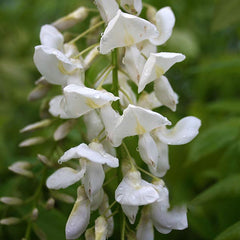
(109, 117)
(146, 47)
(93, 124)
(79, 217)
(70, 50)
(130, 212)
(162, 164)
(132, 6)
(80, 100)
(164, 221)
(183, 132)
(104, 209)
(84, 151)
(165, 21)
(145, 226)
(148, 100)
(134, 191)
(64, 177)
(133, 62)
(109, 159)
(93, 179)
(56, 67)
(51, 37)
(148, 150)
(108, 9)
(165, 93)
(156, 65)
(135, 121)
(100, 228)
(57, 107)
(125, 30)
(97, 200)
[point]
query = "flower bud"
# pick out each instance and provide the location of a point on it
(34, 214)
(50, 203)
(63, 197)
(40, 91)
(90, 234)
(21, 168)
(63, 130)
(100, 228)
(151, 14)
(37, 125)
(9, 221)
(11, 200)
(71, 19)
(32, 141)
(44, 160)
(79, 217)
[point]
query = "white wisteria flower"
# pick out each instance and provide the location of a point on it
(108, 9)
(133, 192)
(54, 61)
(79, 217)
(134, 121)
(165, 21)
(183, 132)
(92, 173)
(78, 100)
(157, 65)
(125, 30)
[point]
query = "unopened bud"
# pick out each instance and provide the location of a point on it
(151, 14)
(100, 228)
(89, 234)
(71, 19)
(63, 130)
(11, 200)
(91, 57)
(63, 197)
(31, 141)
(37, 125)
(21, 168)
(39, 92)
(10, 221)
(50, 203)
(34, 215)
(44, 160)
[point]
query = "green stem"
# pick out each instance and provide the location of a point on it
(149, 174)
(115, 87)
(86, 50)
(86, 32)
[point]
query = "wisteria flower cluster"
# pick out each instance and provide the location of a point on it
(125, 109)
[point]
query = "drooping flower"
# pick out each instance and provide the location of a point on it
(78, 100)
(156, 65)
(134, 121)
(125, 30)
(133, 192)
(54, 59)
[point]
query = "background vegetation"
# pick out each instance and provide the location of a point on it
(204, 173)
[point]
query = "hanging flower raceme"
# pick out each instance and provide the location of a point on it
(113, 104)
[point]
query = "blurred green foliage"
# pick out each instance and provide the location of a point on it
(204, 173)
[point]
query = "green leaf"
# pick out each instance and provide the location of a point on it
(226, 14)
(214, 138)
(228, 187)
(52, 223)
(231, 233)
(228, 106)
